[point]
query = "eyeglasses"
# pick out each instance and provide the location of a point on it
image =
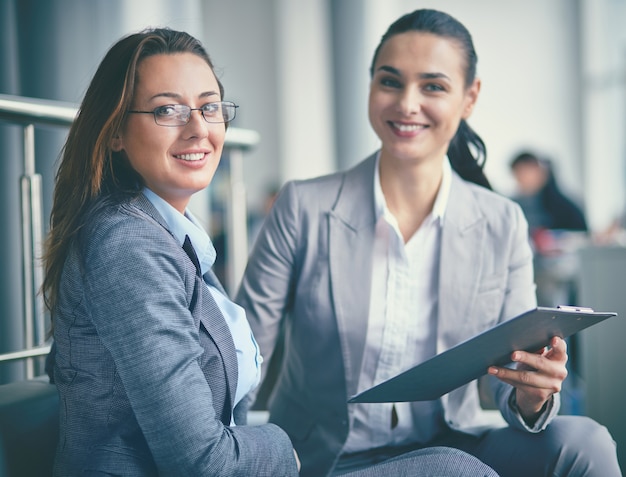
(180, 114)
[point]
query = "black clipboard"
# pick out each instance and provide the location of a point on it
(470, 359)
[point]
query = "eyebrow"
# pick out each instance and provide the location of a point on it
(167, 94)
(397, 72)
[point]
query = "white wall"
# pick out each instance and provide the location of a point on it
(603, 64)
(240, 36)
(275, 59)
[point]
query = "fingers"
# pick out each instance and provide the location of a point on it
(536, 377)
(531, 380)
(557, 350)
(542, 371)
(555, 353)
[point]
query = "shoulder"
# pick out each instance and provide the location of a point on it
(324, 192)
(314, 186)
(120, 217)
(471, 200)
(118, 228)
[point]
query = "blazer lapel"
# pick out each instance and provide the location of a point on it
(351, 237)
(206, 312)
(212, 319)
(211, 278)
(215, 324)
(191, 253)
(460, 263)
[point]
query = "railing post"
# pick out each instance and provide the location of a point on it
(237, 245)
(32, 233)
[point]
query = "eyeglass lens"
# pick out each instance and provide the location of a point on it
(179, 114)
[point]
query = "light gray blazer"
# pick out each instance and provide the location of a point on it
(144, 361)
(311, 266)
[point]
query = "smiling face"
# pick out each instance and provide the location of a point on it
(174, 162)
(418, 96)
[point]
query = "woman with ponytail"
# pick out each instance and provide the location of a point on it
(406, 255)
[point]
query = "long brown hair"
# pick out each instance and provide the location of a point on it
(89, 169)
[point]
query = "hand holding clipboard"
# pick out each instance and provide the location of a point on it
(470, 359)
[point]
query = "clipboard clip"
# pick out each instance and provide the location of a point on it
(577, 309)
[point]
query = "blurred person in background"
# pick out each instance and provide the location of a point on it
(538, 193)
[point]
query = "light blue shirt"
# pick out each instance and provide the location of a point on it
(248, 357)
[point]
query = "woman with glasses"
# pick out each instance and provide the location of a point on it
(152, 361)
(375, 269)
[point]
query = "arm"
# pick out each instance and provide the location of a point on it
(135, 285)
(525, 394)
(266, 290)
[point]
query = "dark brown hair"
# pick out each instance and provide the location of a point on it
(467, 151)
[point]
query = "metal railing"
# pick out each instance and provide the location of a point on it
(30, 112)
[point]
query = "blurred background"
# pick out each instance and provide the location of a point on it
(553, 81)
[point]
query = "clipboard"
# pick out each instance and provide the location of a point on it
(470, 359)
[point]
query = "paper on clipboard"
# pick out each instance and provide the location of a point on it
(470, 359)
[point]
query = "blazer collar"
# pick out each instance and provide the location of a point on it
(462, 210)
(352, 222)
(355, 202)
(142, 203)
(462, 251)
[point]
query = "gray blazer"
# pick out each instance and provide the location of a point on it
(312, 265)
(144, 361)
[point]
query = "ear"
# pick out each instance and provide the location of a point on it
(471, 96)
(116, 143)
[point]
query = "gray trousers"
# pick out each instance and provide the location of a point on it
(571, 446)
(431, 462)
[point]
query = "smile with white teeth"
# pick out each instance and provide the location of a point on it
(196, 156)
(406, 127)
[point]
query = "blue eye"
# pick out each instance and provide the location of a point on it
(433, 87)
(211, 109)
(390, 82)
(166, 111)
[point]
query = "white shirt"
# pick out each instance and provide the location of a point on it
(402, 323)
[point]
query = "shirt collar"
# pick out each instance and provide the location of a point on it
(182, 225)
(441, 201)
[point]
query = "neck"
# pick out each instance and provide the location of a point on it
(410, 190)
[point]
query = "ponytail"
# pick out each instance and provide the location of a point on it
(469, 166)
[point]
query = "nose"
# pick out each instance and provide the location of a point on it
(197, 126)
(410, 101)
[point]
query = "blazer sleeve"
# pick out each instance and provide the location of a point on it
(135, 288)
(519, 297)
(266, 290)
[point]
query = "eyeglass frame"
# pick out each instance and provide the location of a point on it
(202, 111)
